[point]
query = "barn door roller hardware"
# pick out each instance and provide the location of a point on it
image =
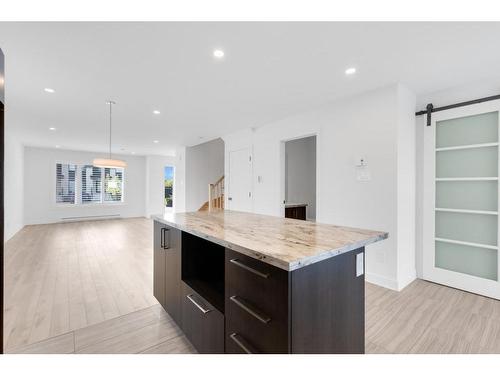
(429, 109)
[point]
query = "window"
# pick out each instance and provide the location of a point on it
(169, 186)
(65, 183)
(113, 184)
(91, 184)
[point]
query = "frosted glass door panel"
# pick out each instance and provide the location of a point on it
(474, 162)
(467, 195)
(475, 261)
(476, 228)
(468, 130)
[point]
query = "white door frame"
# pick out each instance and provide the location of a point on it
(283, 171)
(458, 280)
(227, 193)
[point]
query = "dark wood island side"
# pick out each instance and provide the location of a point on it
(236, 282)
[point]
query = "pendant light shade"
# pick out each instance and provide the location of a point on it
(109, 163)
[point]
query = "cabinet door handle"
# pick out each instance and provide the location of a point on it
(162, 238)
(238, 340)
(202, 309)
(252, 311)
(238, 263)
(165, 245)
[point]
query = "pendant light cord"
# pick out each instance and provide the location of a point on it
(110, 125)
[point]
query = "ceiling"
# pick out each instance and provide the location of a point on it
(270, 70)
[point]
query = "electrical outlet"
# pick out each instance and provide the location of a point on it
(360, 264)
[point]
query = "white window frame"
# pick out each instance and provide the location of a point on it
(78, 188)
(165, 208)
(122, 201)
(54, 181)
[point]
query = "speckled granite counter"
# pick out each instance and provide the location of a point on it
(285, 243)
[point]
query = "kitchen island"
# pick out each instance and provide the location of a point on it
(237, 282)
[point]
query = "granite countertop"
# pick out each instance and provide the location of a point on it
(285, 243)
(292, 204)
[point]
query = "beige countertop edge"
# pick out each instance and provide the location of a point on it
(287, 266)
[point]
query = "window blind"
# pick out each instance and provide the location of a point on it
(113, 184)
(91, 184)
(65, 183)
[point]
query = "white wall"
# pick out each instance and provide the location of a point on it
(155, 182)
(14, 184)
(369, 125)
(406, 205)
(301, 173)
(204, 165)
(39, 193)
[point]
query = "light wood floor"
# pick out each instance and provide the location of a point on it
(112, 310)
(62, 277)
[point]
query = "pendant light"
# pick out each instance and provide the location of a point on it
(110, 163)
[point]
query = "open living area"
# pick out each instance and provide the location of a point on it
(250, 187)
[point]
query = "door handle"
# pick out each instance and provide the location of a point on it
(229, 198)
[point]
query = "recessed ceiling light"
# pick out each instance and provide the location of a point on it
(49, 90)
(57, 146)
(156, 112)
(218, 53)
(156, 141)
(52, 128)
(133, 152)
(350, 71)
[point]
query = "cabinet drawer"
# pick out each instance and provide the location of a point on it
(202, 323)
(256, 306)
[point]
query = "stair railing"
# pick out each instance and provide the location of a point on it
(216, 195)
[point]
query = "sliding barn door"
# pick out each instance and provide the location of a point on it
(2, 148)
(461, 226)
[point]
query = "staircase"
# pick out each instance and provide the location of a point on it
(215, 196)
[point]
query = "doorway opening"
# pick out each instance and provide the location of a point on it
(300, 179)
(168, 183)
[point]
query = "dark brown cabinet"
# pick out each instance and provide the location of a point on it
(296, 212)
(227, 302)
(159, 271)
(256, 306)
(167, 269)
(203, 324)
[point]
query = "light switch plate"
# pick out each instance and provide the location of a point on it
(360, 264)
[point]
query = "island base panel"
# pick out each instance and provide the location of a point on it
(328, 307)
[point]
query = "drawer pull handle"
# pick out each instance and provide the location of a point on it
(202, 309)
(240, 342)
(253, 270)
(239, 302)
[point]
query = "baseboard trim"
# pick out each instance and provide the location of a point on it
(403, 284)
(382, 281)
(12, 233)
(90, 217)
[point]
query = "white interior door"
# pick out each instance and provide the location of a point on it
(240, 180)
(461, 226)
